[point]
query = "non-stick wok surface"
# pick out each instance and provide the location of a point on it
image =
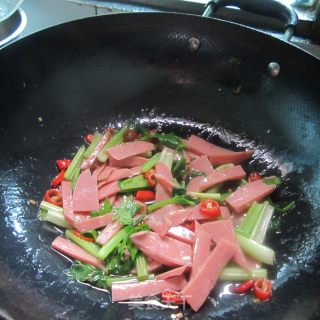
(99, 71)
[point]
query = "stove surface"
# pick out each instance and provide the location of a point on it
(47, 13)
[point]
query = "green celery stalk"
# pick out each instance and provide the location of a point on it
(160, 204)
(259, 232)
(251, 219)
(212, 196)
(166, 157)
(54, 217)
(86, 245)
(133, 184)
(238, 274)
(225, 195)
(76, 161)
(116, 139)
(75, 177)
(257, 251)
(107, 248)
(215, 189)
(110, 280)
(142, 267)
(225, 166)
(240, 232)
(49, 206)
(182, 199)
(151, 162)
(95, 141)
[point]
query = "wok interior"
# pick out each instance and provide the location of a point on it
(87, 75)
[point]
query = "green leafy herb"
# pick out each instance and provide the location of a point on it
(119, 264)
(126, 243)
(179, 169)
(179, 191)
(283, 209)
(126, 211)
(105, 208)
(87, 273)
(280, 212)
(168, 139)
(272, 180)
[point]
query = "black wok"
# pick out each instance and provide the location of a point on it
(62, 83)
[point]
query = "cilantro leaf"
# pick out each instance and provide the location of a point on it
(105, 208)
(126, 211)
(87, 273)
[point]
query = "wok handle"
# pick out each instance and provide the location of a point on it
(268, 8)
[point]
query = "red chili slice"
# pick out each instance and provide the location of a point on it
(58, 179)
(262, 289)
(130, 136)
(210, 208)
(53, 196)
(244, 287)
(149, 176)
(88, 138)
(79, 235)
(254, 176)
(172, 296)
(145, 195)
(63, 164)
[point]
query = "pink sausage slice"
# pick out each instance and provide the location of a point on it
(128, 162)
(109, 231)
(216, 155)
(129, 149)
(201, 249)
(85, 194)
(108, 190)
(199, 287)
(93, 223)
(172, 273)
(67, 201)
(219, 176)
(162, 192)
(240, 200)
(133, 290)
(202, 164)
(165, 250)
(223, 229)
(72, 250)
(93, 156)
(182, 234)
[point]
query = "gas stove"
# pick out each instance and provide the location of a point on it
(35, 15)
